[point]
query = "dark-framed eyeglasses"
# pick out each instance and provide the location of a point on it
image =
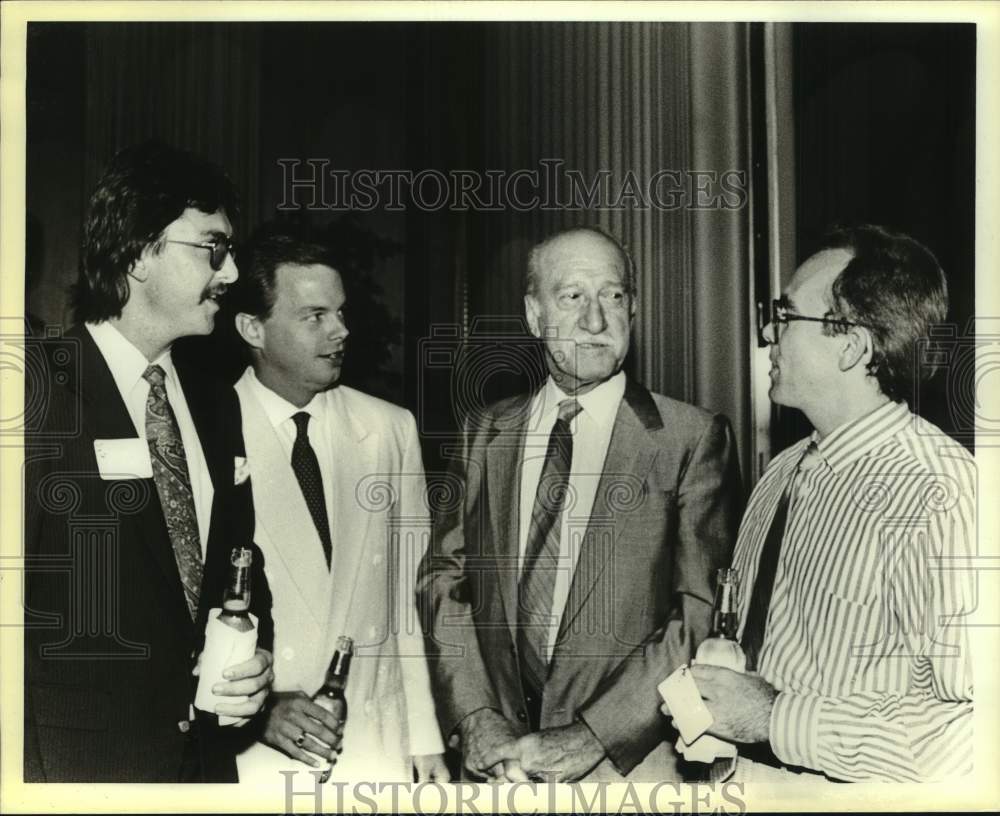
(780, 315)
(218, 249)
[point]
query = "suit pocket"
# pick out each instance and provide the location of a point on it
(72, 707)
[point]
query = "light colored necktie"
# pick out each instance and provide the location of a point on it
(173, 484)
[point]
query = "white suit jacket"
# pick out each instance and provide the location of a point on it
(379, 529)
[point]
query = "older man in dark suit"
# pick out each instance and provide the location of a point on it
(135, 495)
(576, 573)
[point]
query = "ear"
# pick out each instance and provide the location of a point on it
(138, 271)
(857, 349)
(533, 311)
(250, 329)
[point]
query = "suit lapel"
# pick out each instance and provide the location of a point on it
(281, 510)
(358, 498)
(631, 453)
(503, 457)
(102, 402)
(98, 391)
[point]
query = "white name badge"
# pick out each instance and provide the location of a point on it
(123, 458)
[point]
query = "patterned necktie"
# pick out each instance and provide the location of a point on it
(306, 467)
(760, 600)
(541, 558)
(173, 484)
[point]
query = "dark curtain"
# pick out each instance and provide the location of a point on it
(621, 99)
(193, 85)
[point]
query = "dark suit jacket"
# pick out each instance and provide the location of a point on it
(109, 642)
(664, 519)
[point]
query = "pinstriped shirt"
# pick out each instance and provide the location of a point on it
(865, 639)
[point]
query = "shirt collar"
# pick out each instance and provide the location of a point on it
(276, 407)
(126, 363)
(854, 439)
(600, 404)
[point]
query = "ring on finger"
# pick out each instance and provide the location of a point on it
(300, 739)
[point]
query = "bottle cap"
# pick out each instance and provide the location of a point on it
(241, 557)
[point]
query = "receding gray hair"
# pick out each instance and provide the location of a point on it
(533, 271)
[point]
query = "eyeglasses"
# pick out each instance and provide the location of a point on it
(780, 316)
(218, 249)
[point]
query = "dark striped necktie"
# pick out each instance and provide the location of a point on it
(541, 558)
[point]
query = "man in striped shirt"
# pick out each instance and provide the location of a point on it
(863, 658)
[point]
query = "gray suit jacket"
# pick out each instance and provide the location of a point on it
(664, 519)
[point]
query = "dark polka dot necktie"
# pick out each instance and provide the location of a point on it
(306, 467)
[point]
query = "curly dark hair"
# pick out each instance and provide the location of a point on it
(144, 189)
(895, 285)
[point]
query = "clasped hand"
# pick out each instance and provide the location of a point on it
(492, 748)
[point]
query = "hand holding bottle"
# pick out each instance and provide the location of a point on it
(332, 696)
(231, 653)
(720, 648)
(305, 731)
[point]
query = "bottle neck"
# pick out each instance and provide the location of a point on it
(237, 596)
(725, 617)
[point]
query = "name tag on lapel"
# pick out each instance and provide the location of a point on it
(123, 459)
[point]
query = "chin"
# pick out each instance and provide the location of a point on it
(596, 375)
(205, 326)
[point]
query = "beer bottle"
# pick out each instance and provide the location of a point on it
(232, 642)
(332, 695)
(721, 648)
(236, 600)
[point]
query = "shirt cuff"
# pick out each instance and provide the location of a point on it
(794, 728)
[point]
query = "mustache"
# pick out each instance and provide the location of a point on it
(218, 291)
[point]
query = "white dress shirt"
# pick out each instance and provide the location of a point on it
(127, 365)
(591, 430)
(280, 412)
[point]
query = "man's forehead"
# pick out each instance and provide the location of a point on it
(581, 252)
(306, 279)
(202, 223)
(816, 275)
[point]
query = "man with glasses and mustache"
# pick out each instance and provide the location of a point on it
(133, 495)
(852, 619)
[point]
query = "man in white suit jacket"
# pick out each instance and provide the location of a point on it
(338, 488)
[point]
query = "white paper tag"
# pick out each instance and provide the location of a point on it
(680, 693)
(123, 458)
